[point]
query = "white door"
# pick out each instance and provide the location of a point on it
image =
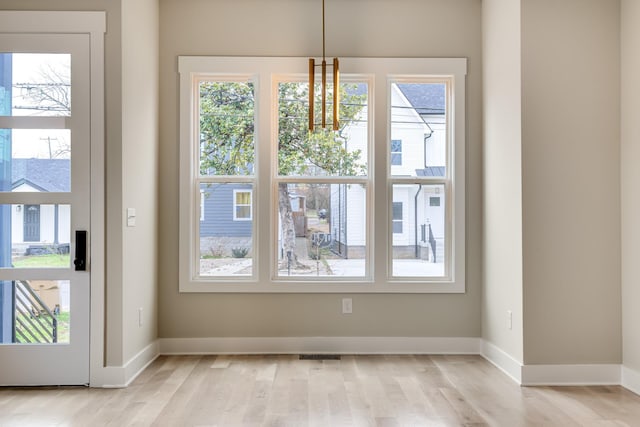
(44, 208)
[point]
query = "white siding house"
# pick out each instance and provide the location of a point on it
(417, 147)
(37, 228)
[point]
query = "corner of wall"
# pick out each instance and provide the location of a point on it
(123, 376)
(631, 379)
(502, 360)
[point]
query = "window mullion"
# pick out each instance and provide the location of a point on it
(263, 209)
(323, 179)
(423, 181)
(226, 179)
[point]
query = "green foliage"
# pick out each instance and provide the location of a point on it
(36, 330)
(227, 141)
(43, 261)
(226, 128)
(315, 253)
(239, 252)
(323, 151)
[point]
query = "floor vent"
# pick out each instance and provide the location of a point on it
(319, 357)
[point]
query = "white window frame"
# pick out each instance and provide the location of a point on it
(452, 182)
(235, 205)
(379, 73)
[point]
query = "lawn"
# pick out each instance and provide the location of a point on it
(38, 323)
(42, 261)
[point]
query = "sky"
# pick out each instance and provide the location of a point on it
(37, 143)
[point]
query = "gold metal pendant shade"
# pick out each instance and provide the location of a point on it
(323, 88)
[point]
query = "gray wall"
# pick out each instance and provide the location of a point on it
(630, 183)
(571, 181)
(131, 92)
(140, 105)
(410, 28)
(502, 176)
(566, 300)
(551, 180)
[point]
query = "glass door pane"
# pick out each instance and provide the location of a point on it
(36, 84)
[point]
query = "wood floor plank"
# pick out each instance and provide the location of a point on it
(283, 391)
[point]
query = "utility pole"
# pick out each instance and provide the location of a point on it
(49, 139)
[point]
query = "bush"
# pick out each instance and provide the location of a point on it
(239, 252)
(216, 251)
(316, 254)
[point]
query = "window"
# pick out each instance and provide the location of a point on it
(397, 218)
(420, 117)
(320, 169)
(396, 152)
(202, 198)
(241, 205)
(283, 209)
(224, 158)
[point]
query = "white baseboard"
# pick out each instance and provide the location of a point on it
(560, 375)
(140, 361)
(326, 345)
(502, 360)
(122, 376)
(631, 379)
(527, 375)
(597, 374)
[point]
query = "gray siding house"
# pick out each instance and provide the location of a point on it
(226, 218)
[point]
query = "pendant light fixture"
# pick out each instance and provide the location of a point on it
(323, 87)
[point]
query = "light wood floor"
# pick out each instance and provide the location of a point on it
(355, 391)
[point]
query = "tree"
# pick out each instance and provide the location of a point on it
(226, 128)
(49, 91)
(319, 153)
(227, 140)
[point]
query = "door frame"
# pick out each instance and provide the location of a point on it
(93, 24)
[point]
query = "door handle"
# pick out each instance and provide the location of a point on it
(80, 261)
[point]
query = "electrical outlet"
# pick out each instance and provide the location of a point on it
(140, 317)
(509, 319)
(347, 306)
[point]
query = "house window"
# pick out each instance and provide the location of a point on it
(265, 179)
(396, 218)
(241, 205)
(202, 199)
(396, 152)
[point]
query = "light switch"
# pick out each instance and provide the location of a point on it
(131, 217)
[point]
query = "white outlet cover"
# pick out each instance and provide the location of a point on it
(347, 306)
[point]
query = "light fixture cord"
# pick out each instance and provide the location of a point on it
(323, 43)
